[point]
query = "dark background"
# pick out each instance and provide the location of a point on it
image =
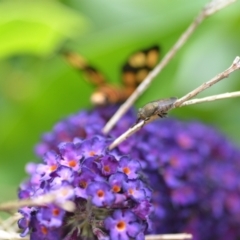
(38, 88)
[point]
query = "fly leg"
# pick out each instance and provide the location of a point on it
(162, 115)
(138, 120)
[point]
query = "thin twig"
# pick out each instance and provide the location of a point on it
(211, 98)
(126, 135)
(48, 198)
(235, 65)
(209, 9)
(183, 101)
(177, 236)
(11, 235)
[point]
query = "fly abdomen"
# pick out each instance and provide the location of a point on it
(164, 105)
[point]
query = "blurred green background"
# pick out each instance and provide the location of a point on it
(38, 88)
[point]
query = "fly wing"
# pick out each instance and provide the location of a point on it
(164, 105)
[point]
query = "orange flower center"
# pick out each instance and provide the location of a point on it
(55, 212)
(83, 184)
(106, 168)
(126, 170)
(100, 193)
(92, 153)
(121, 225)
(44, 230)
(53, 168)
(131, 191)
(116, 188)
(72, 163)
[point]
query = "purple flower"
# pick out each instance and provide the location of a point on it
(116, 181)
(82, 181)
(135, 190)
(63, 174)
(70, 156)
(194, 171)
(83, 125)
(90, 176)
(109, 165)
(93, 147)
(143, 209)
(101, 194)
(40, 232)
(123, 225)
(23, 223)
(50, 216)
(129, 168)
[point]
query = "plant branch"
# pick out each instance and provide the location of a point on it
(48, 198)
(211, 8)
(211, 98)
(235, 66)
(177, 236)
(183, 101)
(11, 235)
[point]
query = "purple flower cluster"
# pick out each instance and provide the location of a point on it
(194, 171)
(84, 124)
(198, 171)
(112, 201)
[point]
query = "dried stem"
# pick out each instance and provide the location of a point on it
(178, 236)
(11, 235)
(209, 9)
(183, 101)
(212, 98)
(48, 198)
(126, 135)
(235, 65)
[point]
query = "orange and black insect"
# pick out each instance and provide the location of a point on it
(134, 71)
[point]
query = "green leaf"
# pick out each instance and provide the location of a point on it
(36, 27)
